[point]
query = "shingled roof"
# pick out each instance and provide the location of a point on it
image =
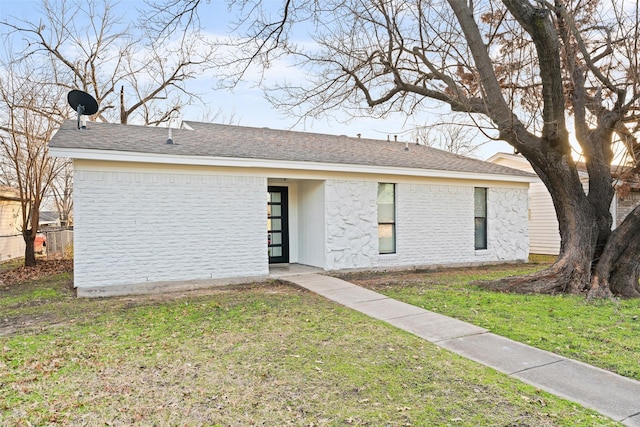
(240, 142)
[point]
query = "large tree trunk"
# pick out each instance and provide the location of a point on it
(571, 272)
(587, 263)
(579, 231)
(583, 266)
(578, 226)
(618, 269)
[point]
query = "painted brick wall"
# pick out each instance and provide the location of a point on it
(434, 225)
(150, 225)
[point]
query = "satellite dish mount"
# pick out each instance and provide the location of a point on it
(84, 104)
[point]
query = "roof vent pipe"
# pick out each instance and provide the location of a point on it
(169, 139)
(406, 146)
(395, 138)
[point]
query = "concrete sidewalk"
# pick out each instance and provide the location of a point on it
(610, 394)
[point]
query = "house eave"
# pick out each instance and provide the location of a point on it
(236, 162)
(9, 195)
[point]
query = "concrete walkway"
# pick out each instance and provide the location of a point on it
(610, 394)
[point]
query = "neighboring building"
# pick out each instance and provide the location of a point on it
(627, 197)
(223, 202)
(625, 204)
(48, 220)
(544, 234)
(11, 240)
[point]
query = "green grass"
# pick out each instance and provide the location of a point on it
(604, 333)
(255, 355)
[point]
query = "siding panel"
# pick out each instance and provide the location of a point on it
(11, 241)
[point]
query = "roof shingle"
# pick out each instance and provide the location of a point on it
(217, 140)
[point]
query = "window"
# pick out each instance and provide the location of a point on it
(480, 208)
(386, 218)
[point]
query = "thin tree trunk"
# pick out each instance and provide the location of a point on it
(29, 249)
(30, 234)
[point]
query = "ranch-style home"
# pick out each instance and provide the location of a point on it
(210, 203)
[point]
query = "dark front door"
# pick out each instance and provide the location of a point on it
(278, 225)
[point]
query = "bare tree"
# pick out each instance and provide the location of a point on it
(82, 45)
(525, 65)
(91, 48)
(62, 190)
(455, 138)
(30, 112)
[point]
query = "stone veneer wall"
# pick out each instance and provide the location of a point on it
(134, 227)
(352, 224)
(507, 224)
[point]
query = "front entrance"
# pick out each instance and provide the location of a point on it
(278, 225)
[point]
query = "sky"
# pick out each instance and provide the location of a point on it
(247, 105)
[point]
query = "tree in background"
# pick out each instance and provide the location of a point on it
(62, 191)
(25, 130)
(457, 138)
(91, 48)
(534, 70)
(82, 45)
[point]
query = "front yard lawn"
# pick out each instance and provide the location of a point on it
(603, 333)
(251, 355)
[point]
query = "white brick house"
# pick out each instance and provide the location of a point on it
(223, 202)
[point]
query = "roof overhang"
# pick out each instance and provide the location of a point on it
(9, 194)
(237, 162)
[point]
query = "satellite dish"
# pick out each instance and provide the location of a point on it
(83, 104)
